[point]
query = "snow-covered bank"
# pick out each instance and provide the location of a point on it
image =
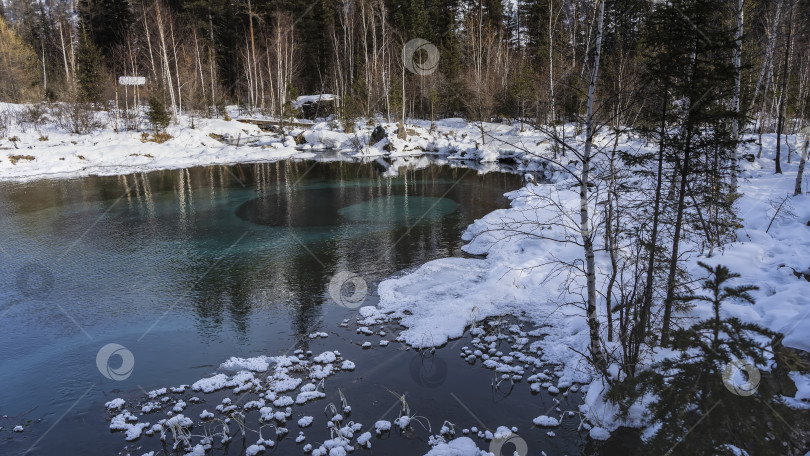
(522, 276)
(34, 151)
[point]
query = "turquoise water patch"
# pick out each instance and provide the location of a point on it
(399, 209)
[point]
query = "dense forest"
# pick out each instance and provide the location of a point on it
(530, 59)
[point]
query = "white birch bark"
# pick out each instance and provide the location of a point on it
(584, 210)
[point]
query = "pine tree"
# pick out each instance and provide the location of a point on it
(689, 61)
(158, 115)
(107, 21)
(698, 405)
(416, 20)
(89, 71)
(534, 20)
(443, 28)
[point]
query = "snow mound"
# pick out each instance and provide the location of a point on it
(462, 446)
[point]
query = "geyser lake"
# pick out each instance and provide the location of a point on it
(186, 268)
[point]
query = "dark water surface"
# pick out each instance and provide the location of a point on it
(186, 268)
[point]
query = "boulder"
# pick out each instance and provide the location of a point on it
(377, 135)
(401, 133)
(313, 106)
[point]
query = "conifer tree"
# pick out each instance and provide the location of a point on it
(107, 21)
(89, 71)
(158, 115)
(689, 58)
(708, 394)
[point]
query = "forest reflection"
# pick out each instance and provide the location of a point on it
(224, 243)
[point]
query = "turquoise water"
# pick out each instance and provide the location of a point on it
(186, 268)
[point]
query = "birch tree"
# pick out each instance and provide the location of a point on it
(783, 95)
(585, 228)
(797, 190)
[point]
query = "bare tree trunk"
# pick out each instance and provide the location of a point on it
(155, 73)
(767, 68)
(164, 52)
(551, 64)
(639, 330)
(199, 63)
(585, 229)
(252, 67)
(272, 90)
(403, 97)
(669, 301)
(612, 217)
(768, 55)
(176, 70)
(386, 69)
(797, 190)
(783, 95)
(366, 70)
(735, 127)
(211, 60)
(68, 79)
(673, 262)
(44, 75)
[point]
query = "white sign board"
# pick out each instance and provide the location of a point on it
(132, 80)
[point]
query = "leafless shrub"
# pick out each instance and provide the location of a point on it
(782, 210)
(5, 122)
(76, 117)
(33, 115)
(131, 119)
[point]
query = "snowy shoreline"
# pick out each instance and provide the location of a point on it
(32, 152)
(517, 277)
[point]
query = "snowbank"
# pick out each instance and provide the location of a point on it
(440, 300)
(48, 152)
(462, 446)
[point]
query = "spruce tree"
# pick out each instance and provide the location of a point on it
(107, 21)
(689, 62)
(89, 71)
(695, 395)
(534, 19)
(158, 116)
